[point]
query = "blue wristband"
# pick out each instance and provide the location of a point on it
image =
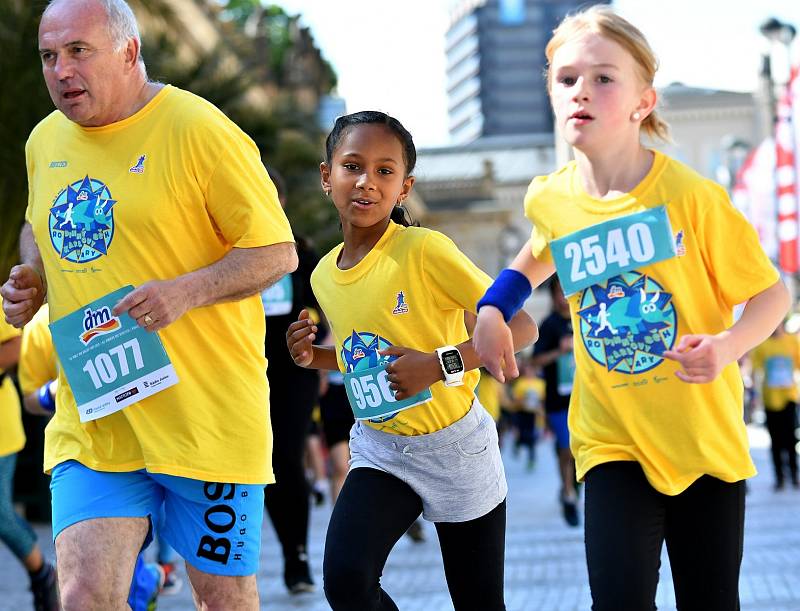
(46, 400)
(507, 293)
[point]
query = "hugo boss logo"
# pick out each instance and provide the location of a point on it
(221, 520)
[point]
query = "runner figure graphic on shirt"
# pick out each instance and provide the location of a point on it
(602, 318)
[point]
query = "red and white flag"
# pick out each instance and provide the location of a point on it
(786, 174)
(754, 194)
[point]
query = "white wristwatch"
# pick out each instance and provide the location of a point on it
(452, 365)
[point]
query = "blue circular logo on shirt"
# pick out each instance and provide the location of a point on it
(627, 323)
(360, 351)
(81, 221)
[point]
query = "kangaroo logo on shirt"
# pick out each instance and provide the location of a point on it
(360, 351)
(139, 167)
(81, 221)
(402, 306)
(627, 322)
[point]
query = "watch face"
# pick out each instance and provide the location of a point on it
(451, 360)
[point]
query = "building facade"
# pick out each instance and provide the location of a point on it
(495, 66)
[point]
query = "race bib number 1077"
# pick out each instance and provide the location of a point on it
(599, 252)
(110, 362)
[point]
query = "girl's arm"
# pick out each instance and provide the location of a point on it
(299, 339)
(492, 339)
(414, 371)
(703, 357)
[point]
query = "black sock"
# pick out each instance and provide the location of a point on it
(42, 573)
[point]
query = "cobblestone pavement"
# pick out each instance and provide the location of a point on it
(545, 567)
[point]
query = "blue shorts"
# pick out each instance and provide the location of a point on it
(216, 527)
(557, 421)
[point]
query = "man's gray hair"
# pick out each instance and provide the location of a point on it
(122, 24)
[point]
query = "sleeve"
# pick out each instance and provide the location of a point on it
(452, 278)
(540, 236)
(796, 344)
(37, 361)
(7, 332)
(240, 196)
(731, 249)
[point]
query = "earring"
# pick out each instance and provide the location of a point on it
(636, 116)
(327, 192)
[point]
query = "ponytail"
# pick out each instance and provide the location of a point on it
(402, 216)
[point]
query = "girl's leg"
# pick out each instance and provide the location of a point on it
(372, 512)
(473, 553)
(624, 529)
(705, 536)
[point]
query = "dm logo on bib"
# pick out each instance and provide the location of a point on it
(81, 221)
(360, 351)
(627, 323)
(98, 322)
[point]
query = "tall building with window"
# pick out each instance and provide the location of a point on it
(495, 66)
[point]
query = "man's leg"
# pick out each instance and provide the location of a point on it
(223, 592)
(95, 562)
(100, 523)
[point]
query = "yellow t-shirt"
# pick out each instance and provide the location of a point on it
(410, 290)
(12, 435)
(778, 358)
(627, 403)
(528, 393)
(38, 363)
(489, 392)
(167, 191)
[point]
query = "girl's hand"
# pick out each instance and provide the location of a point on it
(299, 339)
(412, 371)
(702, 357)
(494, 344)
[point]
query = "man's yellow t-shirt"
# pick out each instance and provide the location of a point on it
(411, 290)
(627, 403)
(38, 363)
(778, 358)
(12, 435)
(167, 191)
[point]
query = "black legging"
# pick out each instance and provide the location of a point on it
(627, 522)
(781, 426)
(372, 512)
(291, 402)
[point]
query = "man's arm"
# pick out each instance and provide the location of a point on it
(24, 291)
(240, 273)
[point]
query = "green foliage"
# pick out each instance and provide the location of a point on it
(23, 104)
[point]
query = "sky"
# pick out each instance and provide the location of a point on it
(389, 54)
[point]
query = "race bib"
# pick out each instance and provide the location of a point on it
(277, 299)
(370, 396)
(779, 372)
(597, 253)
(109, 361)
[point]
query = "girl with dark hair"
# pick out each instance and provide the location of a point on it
(395, 296)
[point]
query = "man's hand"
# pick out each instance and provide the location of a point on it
(702, 357)
(23, 294)
(155, 304)
(494, 344)
(412, 372)
(300, 339)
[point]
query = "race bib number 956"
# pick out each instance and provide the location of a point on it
(370, 396)
(599, 252)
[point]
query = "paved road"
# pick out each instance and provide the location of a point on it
(545, 567)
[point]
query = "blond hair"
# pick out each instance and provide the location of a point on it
(602, 20)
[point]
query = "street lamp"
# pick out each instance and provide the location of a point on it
(775, 31)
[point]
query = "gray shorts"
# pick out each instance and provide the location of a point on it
(457, 471)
